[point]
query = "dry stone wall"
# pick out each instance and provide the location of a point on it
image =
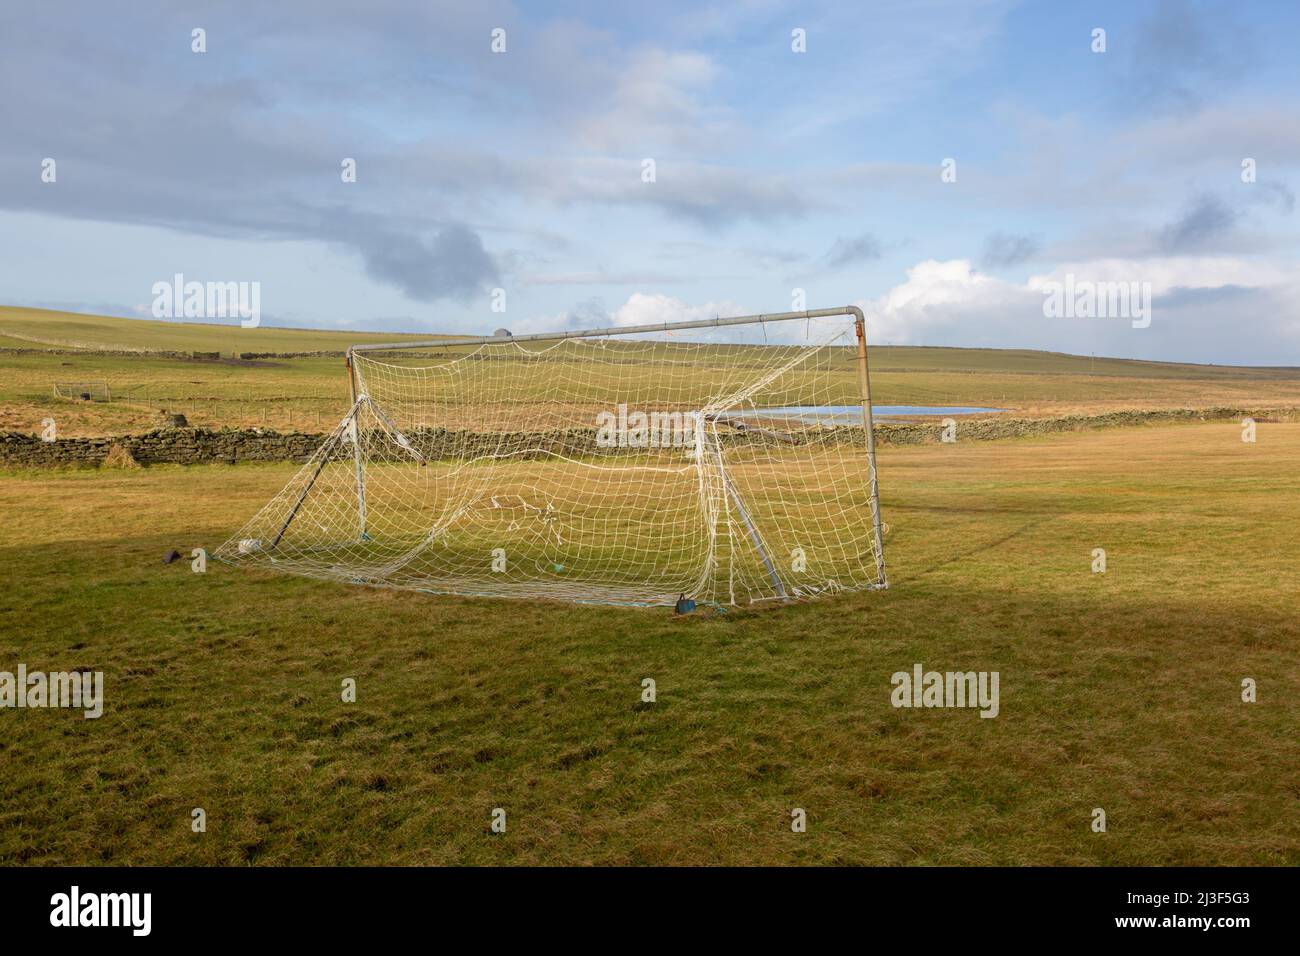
(195, 446)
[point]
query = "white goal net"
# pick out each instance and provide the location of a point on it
(730, 464)
(83, 391)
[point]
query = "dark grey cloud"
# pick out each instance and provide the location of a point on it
(450, 263)
(1277, 195)
(245, 141)
(846, 252)
(1205, 223)
(218, 144)
(1181, 53)
(706, 195)
(1002, 250)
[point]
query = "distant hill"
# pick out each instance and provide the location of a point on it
(46, 329)
(43, 328)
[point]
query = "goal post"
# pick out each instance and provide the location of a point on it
(729, 460)
(83, 391)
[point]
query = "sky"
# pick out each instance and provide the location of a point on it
(940, 164)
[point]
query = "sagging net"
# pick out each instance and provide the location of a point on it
(727, 468)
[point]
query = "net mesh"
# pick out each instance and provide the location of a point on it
(727, 468)
(83, 391)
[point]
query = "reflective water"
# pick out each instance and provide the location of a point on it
(852, 414)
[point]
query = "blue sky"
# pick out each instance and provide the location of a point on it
(774, 170)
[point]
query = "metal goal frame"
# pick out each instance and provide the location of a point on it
(864, 382)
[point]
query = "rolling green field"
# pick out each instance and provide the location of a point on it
(309, 393)
(42, 328)
(1119, 690)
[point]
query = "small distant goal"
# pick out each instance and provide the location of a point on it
(83, 391)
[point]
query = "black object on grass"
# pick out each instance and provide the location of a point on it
(171, 556)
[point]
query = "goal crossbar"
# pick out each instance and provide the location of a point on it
(759, 319)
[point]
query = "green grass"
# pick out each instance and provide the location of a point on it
(1119, 691)
(903, 358)
(43, 328)
(310, 393)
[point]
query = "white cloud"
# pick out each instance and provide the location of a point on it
(643, 309)
(937, 293)
(933, 283)
(1206, 309)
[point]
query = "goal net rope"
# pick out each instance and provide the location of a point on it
(729, 467)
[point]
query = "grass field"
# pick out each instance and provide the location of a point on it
(310, 393)
(43, 328)
(1119, 690)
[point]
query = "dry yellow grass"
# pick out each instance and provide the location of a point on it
(310, 393)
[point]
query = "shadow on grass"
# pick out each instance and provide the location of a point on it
(224, 692)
